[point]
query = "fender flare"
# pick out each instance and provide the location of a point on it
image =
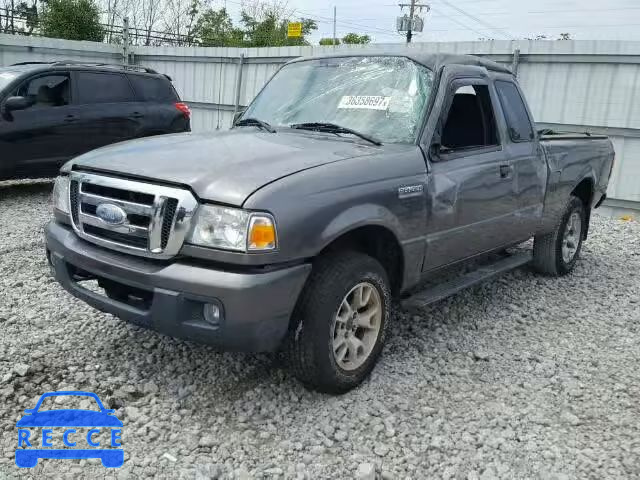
(365, 215)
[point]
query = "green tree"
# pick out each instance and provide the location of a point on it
(355, 39)
(262, 26)
(329, 41)
(72, 20)
(268, 28)
(215, 28)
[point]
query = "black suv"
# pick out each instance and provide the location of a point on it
(51, 112)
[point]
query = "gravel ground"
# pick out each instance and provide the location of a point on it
(523, 377)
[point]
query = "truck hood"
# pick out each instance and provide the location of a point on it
(225, 167)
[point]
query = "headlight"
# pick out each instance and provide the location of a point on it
(60, 197)
(233, 229)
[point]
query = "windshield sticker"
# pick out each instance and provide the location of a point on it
(369, 102)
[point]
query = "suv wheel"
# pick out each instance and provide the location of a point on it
(339, 325)
(556, 253)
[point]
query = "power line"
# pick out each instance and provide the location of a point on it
(537, 26)
(465, 27)
(478, 20)
(540, 12)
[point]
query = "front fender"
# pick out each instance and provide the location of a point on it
(366, 215)
(314, 207)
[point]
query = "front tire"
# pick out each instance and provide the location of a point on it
(339, 324)
(557, 252)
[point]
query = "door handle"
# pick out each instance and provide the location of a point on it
(70, 118)
(505, 171)
(136, 115)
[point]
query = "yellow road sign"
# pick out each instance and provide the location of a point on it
(294, 30)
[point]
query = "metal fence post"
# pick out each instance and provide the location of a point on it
(238, 85)
(515, 62)
(125, 40)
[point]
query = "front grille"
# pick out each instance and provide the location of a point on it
(170, 212)
(118, 194)
(139, 220)
(73, 200)
(136, 217)
(136, 242)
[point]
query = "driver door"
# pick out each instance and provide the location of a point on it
(36, 141)
(471, 182)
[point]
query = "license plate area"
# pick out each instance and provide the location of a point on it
(138, 298)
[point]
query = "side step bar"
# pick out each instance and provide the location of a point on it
(443, 290)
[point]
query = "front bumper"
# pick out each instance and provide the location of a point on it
(256, 306)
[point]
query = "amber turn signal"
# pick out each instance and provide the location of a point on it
(262, 233)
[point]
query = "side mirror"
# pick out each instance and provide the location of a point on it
(16, 103)
(434, 151)
(238, 114)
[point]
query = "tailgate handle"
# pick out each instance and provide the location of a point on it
(505, 171)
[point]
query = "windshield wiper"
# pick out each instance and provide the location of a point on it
(333, 128)
(254, 122)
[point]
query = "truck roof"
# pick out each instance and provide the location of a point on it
(433, 61)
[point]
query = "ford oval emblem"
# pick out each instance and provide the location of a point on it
(111, 214)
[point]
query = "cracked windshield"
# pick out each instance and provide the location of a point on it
(383, 97)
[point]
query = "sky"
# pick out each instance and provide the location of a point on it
(456, 20)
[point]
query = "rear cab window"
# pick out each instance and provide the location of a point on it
(515, 112)
(99, 87)
(153, 89)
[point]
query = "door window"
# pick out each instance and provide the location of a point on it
(96, 87)
(470, 122)
(520, 129)
(46, 91)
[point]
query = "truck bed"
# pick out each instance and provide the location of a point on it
(574, 156)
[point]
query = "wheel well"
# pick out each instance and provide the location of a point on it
(584, 191)
(379, 243)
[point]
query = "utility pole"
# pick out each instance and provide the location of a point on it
(335, 42)
(412, 14)
(412, 8)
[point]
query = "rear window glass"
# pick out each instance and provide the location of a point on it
(153, 89)
(520, 128)
(103, 88)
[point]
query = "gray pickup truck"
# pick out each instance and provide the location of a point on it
(350, 180)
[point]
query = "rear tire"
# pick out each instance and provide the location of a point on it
(339, 324)
(557, 252)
